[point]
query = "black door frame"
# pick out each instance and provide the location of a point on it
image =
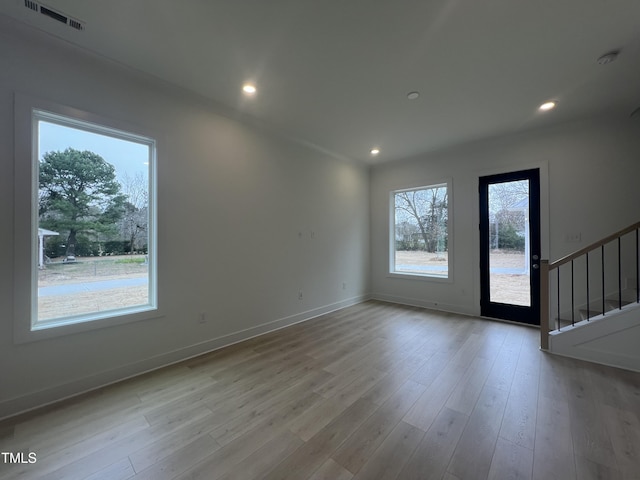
(518, 313)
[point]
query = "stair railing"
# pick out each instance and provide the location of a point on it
(547, 269)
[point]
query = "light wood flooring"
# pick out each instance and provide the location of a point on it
(375, 391)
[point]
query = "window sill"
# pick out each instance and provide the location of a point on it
(420, 278)
(70, 325)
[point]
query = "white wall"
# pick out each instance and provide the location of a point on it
(589, 185)
(233, 201)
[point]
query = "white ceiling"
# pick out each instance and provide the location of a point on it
(336, 73)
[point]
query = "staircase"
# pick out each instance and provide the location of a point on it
(593, 299)
(595, 309)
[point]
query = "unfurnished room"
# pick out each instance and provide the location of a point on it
(319, 240)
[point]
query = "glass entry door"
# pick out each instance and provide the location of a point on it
(510, 246)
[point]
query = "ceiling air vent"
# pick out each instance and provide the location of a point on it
(56, 15)
(31, 5)
(76, 24)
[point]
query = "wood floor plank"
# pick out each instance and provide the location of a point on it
(183, 385)
(494, 337)
(504, 367)
(121, 470)
(316, 418)
(358, 448)
(474, 452)
(330, 470)
(235, 402)
(430, 459)
(362, 384)
(530, 357)
(293, 398)
(92, 412)
(118, 448)
(430, 371)
(357, 357)
(428, 406)
(389, 384)
(590, 436)
(160, 443)
(223, 460)
(171, 467)
(311, 456)
(468, 351)
(511, 461)
(465, 395)
(553, 377)
(449, 476)
(553, 449)
(173, 406)
(587, 469)
(265, 458)
(624, 430)
(389, 459)
(371, 391)
(55, 464)
(413, 352)
(519, 420)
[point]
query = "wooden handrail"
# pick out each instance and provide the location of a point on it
(593, 246)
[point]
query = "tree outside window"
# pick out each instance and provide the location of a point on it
(94, 194)
(421, 221)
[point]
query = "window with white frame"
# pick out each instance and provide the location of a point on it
(92, 252)
(420, 231)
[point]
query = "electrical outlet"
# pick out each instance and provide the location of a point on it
(344, 285)
(573, 237)
(202, 318)
(300, 295)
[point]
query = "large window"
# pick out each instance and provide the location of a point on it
(92, 252)
(420, 231)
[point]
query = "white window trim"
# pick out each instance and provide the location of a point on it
(392, 273)
(26, 328)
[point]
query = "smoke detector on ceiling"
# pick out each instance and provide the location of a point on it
(54, 14)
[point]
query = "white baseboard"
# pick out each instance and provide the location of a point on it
(24, 403)
(417, 302)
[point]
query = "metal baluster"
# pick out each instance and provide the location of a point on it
(603, 300)
(588, 298)
(573, 305)
(558, 275)
(619, 275)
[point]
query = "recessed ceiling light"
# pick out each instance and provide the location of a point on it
(375, 151)
(249, 89)
(413, 95)
(547, 106)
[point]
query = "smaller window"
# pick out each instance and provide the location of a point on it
(420, 231)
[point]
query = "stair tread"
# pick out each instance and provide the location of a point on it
(583, 315)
